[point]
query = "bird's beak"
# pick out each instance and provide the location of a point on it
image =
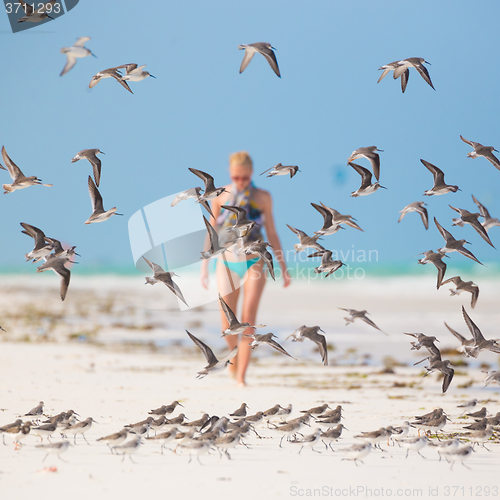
(92, 54)
(77, 254)
(427, 62)
(152, 76)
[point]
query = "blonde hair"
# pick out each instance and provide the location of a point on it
(241, 158)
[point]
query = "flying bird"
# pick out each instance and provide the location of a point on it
(280, 169)
(35, 16)
(305, 241)
(489, 221)
(76, 51)
(213, 363)
(110, 73)
(98, 212)
(268, 339)
(262, 48)
(194, 193)
(480, 343)
(163, 276)
(235, 327)
(211, 191)
(435, 258)
(401, 69)
(328, 265)
(464, 286)
(467, 217)
(312, 333)
(91, 156)
(453, 245)
(134, 73)
(366, 187)
(353, 315)
(480, 150)
(58, 265)
(440, 187)
(370, 153)
(416, 206)
(20, 181)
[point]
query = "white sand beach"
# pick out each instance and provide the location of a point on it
(116, 349)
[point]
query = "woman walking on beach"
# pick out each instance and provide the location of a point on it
(258, 206)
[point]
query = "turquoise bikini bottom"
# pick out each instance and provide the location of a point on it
(240, 268)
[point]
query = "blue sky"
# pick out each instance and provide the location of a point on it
(200, 109)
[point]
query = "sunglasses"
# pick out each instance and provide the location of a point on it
(237, 178)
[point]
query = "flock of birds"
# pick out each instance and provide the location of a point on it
(211, 432)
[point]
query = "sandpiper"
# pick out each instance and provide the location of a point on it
(305, 241)
(259, 247)
(213, 363)
(370, 153)
(464, 286)
(211, 191)
(375, 437)
(47, 429)
(194, 193)
(197, 447)
(134, 73)
(235, 327)
(98, 212)
(401, 68)
(478, 414)
(36, 15)
(162, 276)
(308, 440)
(5, 428)
(312, 333)
(80, 428)
(353, 315)
(480, 343)
(488, 221)
(36, 411)
(242, 226)
(215, 247)
(453, 245)
(230, 440)
(424, 341)
(110, 73)
(263, 48)
(165, 409)
(129, 447)
(444, 366)
(405, 74)
(414, 444)
(197, 424)
(268, 339)
(317, 410)
(76, 51)
(58, 265)
(430, 425)
(468, 404)
(366, 187)
(91, 156)
(492, 376)
(115, 439)
(467, 217)
(356, 452)
(42, 246)
(440, 187)
(328, 265)
(458, 455)
(288, 429)
(435, 258)
(280, 169)
(338, 218)
(54, 448)
(331, 435)
(480, 150)
(241, 412)
(165, 437)
(416, 206)
(20, 181)
(329, 227)
(478, 425)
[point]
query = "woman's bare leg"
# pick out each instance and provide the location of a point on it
(225, 281)
(252, 289)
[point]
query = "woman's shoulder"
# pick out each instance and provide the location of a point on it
(262, 194)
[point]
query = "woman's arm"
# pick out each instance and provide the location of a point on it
(272, 236)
